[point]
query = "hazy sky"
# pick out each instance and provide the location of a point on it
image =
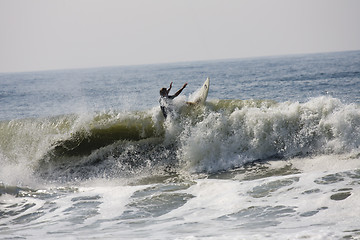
(58, 34)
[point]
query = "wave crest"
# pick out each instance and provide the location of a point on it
(221, 135)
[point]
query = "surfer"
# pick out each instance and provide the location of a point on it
(165, 98)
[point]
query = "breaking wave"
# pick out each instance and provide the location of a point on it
(222, 135)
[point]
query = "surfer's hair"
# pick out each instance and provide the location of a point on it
(163, 91)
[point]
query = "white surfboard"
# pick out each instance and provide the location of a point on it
(199, 97)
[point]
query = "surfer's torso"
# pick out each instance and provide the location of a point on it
(165, 104)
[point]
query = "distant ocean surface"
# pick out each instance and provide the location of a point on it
(273, 154)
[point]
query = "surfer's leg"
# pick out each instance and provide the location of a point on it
(164, 111)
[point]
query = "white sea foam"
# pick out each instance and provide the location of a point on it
(223, 140)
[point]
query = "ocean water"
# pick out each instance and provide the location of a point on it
(273, 154)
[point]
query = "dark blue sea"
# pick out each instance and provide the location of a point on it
(274, 153)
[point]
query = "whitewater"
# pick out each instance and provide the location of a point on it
(274, 153)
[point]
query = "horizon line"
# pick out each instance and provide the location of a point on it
(174, 62)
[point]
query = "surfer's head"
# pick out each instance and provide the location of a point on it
(163, 92)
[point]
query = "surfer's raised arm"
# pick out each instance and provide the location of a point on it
(169, 87)
(180, 90)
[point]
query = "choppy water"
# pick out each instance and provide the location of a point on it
(274, 153)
